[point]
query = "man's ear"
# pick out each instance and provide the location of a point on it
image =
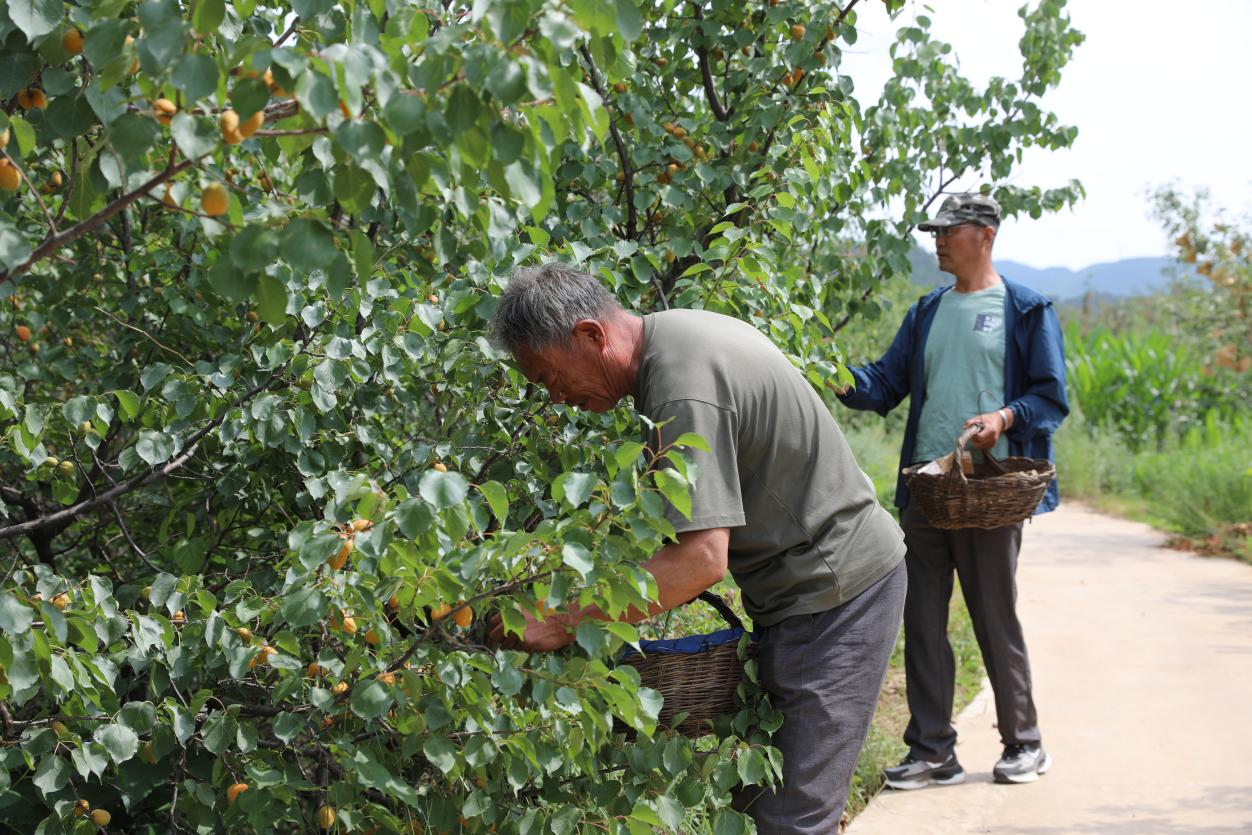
(589, 330)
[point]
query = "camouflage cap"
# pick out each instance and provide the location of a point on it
(965, 208)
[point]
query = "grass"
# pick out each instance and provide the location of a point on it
(1197, 486)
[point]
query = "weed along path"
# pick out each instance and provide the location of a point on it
(1142, 660)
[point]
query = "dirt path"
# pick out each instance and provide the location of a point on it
(1142, 661)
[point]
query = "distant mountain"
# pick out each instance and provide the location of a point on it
(1128, 277)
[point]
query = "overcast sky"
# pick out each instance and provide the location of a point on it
(1158, 91)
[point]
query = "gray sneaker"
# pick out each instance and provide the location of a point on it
(1022, 764)
(913, 773)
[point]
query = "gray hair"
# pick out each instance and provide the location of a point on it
(542, 304)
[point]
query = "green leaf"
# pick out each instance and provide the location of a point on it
(498, 499)
(729, 823)
(254, 248)
(629, 22)
(573, 488)
(154, 447)
(35, 17)
(207, 15)
(414, 517)
(443, 490)
(592, 637)
(307, 244)
(463, 109)
(304, 607)
(316, 94)
(15, 616)
(196, 76)
(52, 775)
(13, 247)
(132, 135)
(218, 732)
(405, 113)
(119, 741)
(271, 299)
(675, 488)
(578, 558)
(441, 753)
(371, 700)
(233, 284)
(691, 439)
(129, 403)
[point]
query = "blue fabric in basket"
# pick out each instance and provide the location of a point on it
(690, 645)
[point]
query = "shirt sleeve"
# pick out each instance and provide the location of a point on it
(716, 499)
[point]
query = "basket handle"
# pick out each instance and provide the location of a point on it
(970, 431)
(722, 607)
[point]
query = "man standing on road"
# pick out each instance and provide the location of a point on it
(780, 501)
(984, 341)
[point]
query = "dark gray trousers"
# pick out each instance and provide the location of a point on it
(986, 563)
(824, 672)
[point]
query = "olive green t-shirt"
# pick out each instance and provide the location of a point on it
(964, 369)
(806, 530)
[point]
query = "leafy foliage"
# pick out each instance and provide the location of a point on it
(263, 480)
(1157, 368)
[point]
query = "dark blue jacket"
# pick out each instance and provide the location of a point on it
(1034, 377)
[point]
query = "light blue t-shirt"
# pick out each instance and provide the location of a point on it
(964, 369)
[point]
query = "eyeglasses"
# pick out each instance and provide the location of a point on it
(948, 230)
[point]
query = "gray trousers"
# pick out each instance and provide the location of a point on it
(824, 672)
(986, 563)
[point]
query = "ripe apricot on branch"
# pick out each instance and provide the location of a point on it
(10, 177)
(165, 110)
(250, 125)
(340, 557)
(215, 200)
(340, 688)
(245, 634)
(326, 817)
(464, 617)
(72, 41)
(228, 121)
(23, 333)
(797, 32)
(100, 817)
(440, 466)
(232, 794)
(439, 612)
(61, 601)
(81, 808)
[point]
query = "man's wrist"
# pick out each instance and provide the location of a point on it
(1006, 415)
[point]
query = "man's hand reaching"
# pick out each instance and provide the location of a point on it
(545, 635)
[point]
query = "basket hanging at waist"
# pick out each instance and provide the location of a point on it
(697, 675)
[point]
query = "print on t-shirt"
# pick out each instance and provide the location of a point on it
(987, 322)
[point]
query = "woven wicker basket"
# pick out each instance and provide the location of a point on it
(1000, 492)
(700, 684)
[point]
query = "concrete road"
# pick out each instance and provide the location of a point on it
(1142, 661)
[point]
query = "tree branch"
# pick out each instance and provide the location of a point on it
(869, 291)
(54, 242)
(706, 76)
(632, 214)
(62, 517)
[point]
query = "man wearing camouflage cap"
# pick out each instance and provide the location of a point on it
(985, 351)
